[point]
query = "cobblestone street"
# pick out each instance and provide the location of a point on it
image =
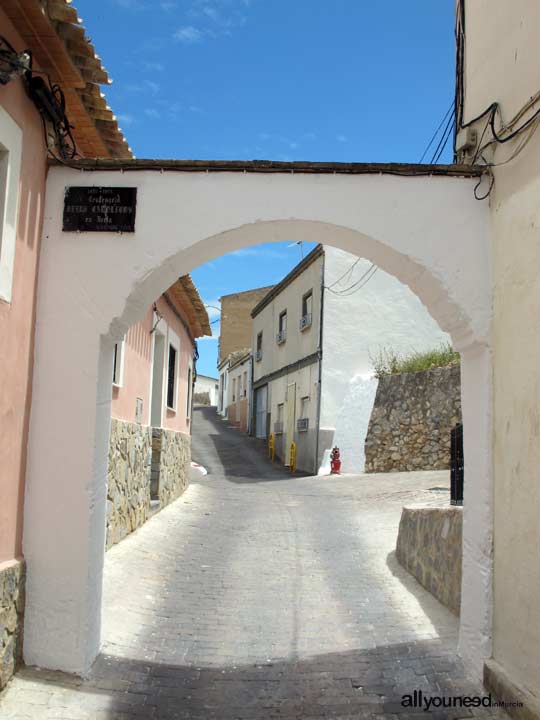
(260, 595)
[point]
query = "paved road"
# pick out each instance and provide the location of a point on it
(260, 595)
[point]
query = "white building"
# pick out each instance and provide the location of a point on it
(314, 337)
(206, 385)
(239, 390)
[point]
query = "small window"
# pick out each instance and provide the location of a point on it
(278, 425)
(282, 328)
(304, 407)
(234, 390)
(171, 378)
(138, 410)
(307, 303)
(258, 354)
(118, 364)
(307, 310)
(245, 384)
(188, 408)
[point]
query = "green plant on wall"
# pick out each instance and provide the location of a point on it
(389, 362)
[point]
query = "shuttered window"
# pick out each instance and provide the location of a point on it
(171, 378)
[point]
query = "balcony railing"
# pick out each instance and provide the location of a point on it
(302, 424)
(305, 321)
(281, 337)
(278, 428)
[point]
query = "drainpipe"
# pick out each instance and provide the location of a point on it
(320, 352)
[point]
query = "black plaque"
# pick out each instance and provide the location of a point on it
(100, 209)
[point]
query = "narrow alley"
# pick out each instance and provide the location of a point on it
(261, 595)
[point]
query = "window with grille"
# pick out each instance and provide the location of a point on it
(118, 364)
(171, 378)
(307, 309)
(188, 409)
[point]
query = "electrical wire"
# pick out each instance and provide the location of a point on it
(358, 285)
(436, 132)
(347, 272)
(355, 283)
(363, 284)
(444, 140)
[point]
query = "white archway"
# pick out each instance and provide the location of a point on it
(428, 231)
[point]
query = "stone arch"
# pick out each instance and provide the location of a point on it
(429, 232)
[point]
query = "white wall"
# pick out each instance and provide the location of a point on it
(501, 64)
(205, 384)
(381, 314)
(91, 287)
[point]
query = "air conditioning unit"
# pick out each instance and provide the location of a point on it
(278, 428)
(305, 321)
(302, 424)
(281, 337)
(258, 355)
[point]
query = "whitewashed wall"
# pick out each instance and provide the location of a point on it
(383, 313)
(205, 384)
(428, 231)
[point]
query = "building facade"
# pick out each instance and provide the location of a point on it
(315, 336)
(497, 118)
(239, 390)
(206, 390)
(234, 337)
(154, 373)
(235, 320)
(58, 47)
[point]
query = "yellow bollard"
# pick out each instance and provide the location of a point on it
(292, 457)
(271, 447)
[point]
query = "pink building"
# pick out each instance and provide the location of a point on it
(58, 46)
(152, 395)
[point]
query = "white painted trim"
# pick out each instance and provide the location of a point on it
(11, 140)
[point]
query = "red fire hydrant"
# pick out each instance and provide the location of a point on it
(335, 461)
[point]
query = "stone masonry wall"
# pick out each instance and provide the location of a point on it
(128, 491)
(429, 547)
(171, 458)
(410, 423)
(12, 583)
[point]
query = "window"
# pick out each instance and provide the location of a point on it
(118, 364)
(282, 328)
(307, 309)
(188, 408)
(234, 390)
(138, 410)
(245, 383)
(171, 378)
(258, 354)
(278, 425)
(10, 166)
(302, 424)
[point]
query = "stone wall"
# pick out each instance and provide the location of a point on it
(128, 491)
(12, 583)
(429, 547)
(410, 423)
(171, 458)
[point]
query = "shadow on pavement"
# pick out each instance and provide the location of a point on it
(353, 684)
(232, 455)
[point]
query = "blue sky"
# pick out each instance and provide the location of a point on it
(346, 80)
